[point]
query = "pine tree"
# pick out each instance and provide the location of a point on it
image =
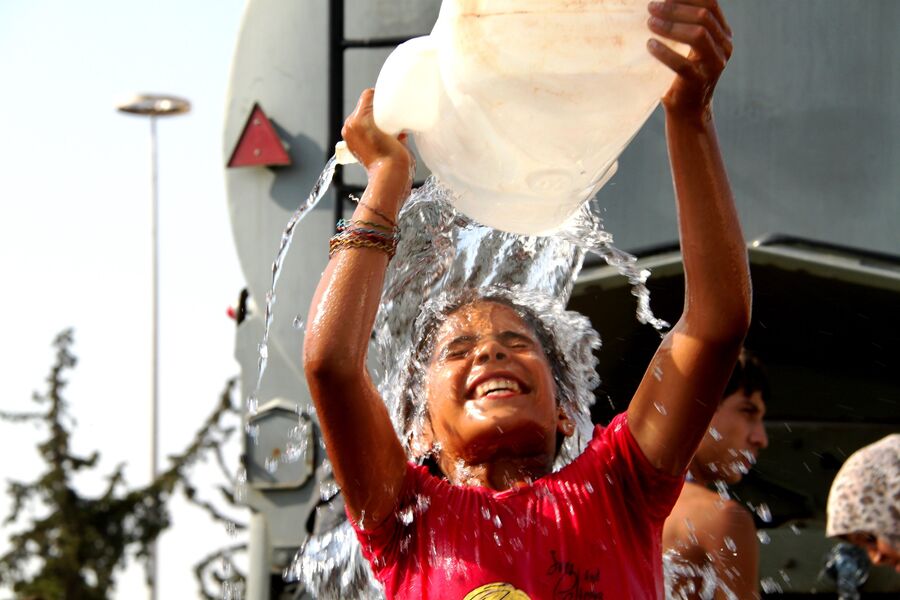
(76, 550)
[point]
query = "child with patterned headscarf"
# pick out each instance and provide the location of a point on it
(864, 502)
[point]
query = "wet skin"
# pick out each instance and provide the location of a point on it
(491, 396)
(738, 423)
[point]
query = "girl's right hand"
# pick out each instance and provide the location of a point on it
(375, 150)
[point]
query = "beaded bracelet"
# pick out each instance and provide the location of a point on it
(344, 230)
(348, 223)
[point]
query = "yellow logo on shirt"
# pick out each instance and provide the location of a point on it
(497, 591)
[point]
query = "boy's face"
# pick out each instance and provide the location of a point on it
(490, 391)
(737, 436)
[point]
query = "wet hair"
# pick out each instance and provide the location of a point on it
(748, 376)
(566, 337)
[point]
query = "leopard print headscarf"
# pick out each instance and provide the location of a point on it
(865, 495)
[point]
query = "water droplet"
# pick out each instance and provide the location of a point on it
(763, 537)
(497, 522)
(264, 351)
(714, 434)
(240, 491)
(785, 576)
(660, 408)
(770, 586)
(722, 488)
(271, 465)
(764, 513)
(795, 529)
(295, 451)
(231, 528)
(328, 489)
(253, 433)
(657, 372)
(485, 513)
(252, 405)
(298, 323)
(729, 543)
(406, 515)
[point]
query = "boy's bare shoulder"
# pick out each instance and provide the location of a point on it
(703, 518)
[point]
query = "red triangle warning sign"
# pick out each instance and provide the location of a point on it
(258, 144)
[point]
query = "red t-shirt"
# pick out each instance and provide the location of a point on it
(589, 531)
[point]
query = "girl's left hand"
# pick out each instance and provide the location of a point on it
(701, 25)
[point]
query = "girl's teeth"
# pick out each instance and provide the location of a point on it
(503, 385)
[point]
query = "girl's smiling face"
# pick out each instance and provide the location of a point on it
(490, 390)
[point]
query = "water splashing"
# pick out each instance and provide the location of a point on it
(685, 580)
(298, 441)
(441, 250)
(328, 489)
(252, 405)
(722, 488)
(315, 196)
(240, 492)
(331, 564)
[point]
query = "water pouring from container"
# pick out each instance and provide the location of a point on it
(522, 109)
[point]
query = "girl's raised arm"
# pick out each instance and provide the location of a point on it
(368, 459)
(681, 390)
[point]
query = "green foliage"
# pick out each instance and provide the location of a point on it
(75, 550)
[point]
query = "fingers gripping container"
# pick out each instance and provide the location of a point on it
(522, 107)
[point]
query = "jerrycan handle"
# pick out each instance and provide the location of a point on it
(343, 155)
(407, 93)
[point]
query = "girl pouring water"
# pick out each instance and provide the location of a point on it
(487, 516)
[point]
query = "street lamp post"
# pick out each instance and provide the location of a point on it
(154, 106)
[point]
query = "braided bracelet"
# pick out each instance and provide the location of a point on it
(341, 244)
(362, 238)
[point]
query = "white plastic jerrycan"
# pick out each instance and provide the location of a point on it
(522, 107)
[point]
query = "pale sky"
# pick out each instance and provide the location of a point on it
(75, 242)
